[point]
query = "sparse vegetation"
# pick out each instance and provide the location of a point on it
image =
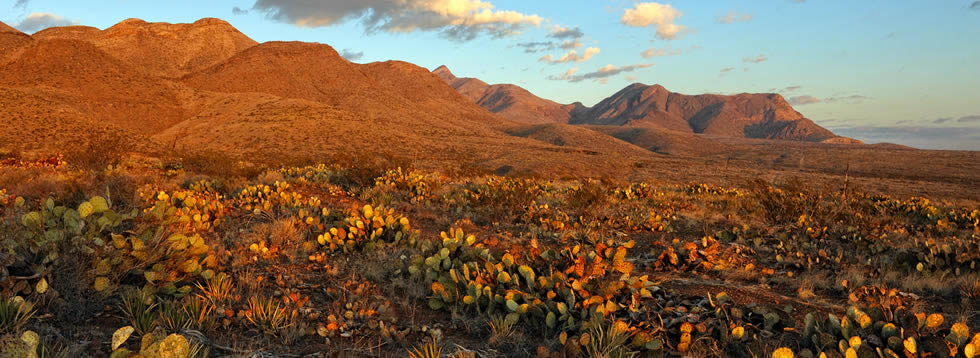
(319, 259)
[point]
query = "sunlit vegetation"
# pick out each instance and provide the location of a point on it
(162, 260)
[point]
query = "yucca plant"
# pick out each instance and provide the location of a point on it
(14, 314)
(173, 316)
(200, 310)
(501, 327)
(268, 315)
(217, 288)
(608, 340)
(140, 307)
(429, 349)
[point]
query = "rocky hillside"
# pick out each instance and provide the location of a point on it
(161, 49)
(508, 101)
(766, 116)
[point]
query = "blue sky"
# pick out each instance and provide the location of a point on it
(904, 71)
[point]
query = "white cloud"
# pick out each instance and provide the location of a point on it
(601, 75)
(568, 74)
(661, 16)
(456, 19)
(38, 21)
(733, 17)
(350, 55)
(660, 52)
(571, 56)
(803, 100)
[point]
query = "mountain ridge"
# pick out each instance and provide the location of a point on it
(745, 115)
(164, 49)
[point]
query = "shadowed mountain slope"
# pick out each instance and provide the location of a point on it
(508, 101)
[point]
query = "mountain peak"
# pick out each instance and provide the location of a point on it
(7, 28)
(211, 21)
(444, 73)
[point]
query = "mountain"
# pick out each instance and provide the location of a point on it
(11, 42)
(744, 115)
(508, 101)
(766, 116)
(102, 88)
(161, 49)
(206, 87)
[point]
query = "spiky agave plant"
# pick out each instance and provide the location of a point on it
(140, 307)
(268, 315)
(14, 314)
(429, 349)
(608, 339)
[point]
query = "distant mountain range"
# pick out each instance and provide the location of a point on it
(207, 86)
(766, 116)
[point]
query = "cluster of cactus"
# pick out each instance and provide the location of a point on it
(358, 312)
(546, 218)
(417, 185)
(156, 345)
(635, 191)
(502, 197)
(367, 228)
(631, 216)
(556, 290)
(198, 209)
(276, 198)
(712, 190)
(923, 214)
(685, 255)
(948, 256)
(86, 227)
(885, 331)
(54, 161)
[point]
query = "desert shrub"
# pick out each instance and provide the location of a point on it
(100, 151)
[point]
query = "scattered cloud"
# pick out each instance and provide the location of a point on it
(563, 33)
(23, 3)
(757, 59)
(969, 119)
(38, 21)
(601, 74)
(660, 52)
(350, 55)
(565, 76)
(790, 89)
(459, 20)
(974, 6)
(732, 17)
(571, 38)
(727, 69)
(660, 16)
(537, 46)
(942, 120)
(571, 56)
(570, 44)
(852, 99)
(631, 78)
(803, 100)
(238, 11)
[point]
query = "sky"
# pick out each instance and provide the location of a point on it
(899, 71)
